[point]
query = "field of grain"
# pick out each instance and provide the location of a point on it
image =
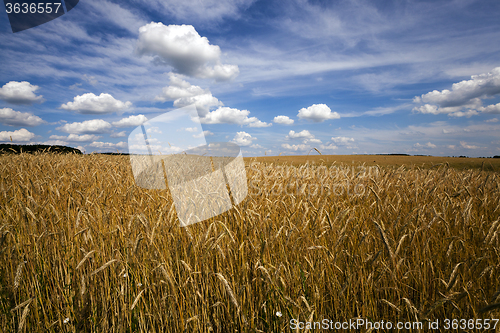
(82, 249)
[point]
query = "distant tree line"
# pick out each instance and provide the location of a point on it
(18, 149)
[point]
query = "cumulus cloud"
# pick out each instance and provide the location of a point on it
(94, 126)
(494, 108)
(118, 135)
(131, 121)
(283, 120)
(432, 109)
(342, 140)
(328, 147)
(493, 120)
(20, 93)
(181, 47)
(18, 135)
(243, 139)
(425, 145)
(17, 118)
(98, 144)
(55, 143)
(254, 122)
(179, 88)
(465, 97)
(76, 138)
(225, 115)
(295, 147)
(91, 104)
(184, 94)
(304, 134)
(462, 93)
(467, 146)
(202, 102)
(317, 113)
(312, 141)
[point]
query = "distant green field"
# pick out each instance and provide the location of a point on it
(459, 163)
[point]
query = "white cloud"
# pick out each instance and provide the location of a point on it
(179, 88)
(76, 138)
(94, 126)
(225, 115)
(243, 139)
(304, 134)
(20, 93)
(55, 143)
(191, 129)
(203, 134)
(283, 120)
(342, 140)
(202, 102)
(317, 113)
(131, 121)
(464, 92)
(426, 145)
(466, 113)
(99, 144)
(91, 104)
(181, 47)
(118, 135)
(295, 147)
(467, 146)
(494, 108)
(254, 122)
(465, 97)
(428, 109)
(256, 146)
(311, 141)
(328, 147)
(17, 118)
(18, 135)
(184, 94)
(453, 111)
(493, 120)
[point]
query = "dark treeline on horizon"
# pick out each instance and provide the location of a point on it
(17, 149)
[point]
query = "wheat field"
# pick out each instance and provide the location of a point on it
(82, 249)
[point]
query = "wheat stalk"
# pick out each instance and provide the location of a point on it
(229, 291)
(103, 267)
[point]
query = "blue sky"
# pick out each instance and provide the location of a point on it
(345, 77)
